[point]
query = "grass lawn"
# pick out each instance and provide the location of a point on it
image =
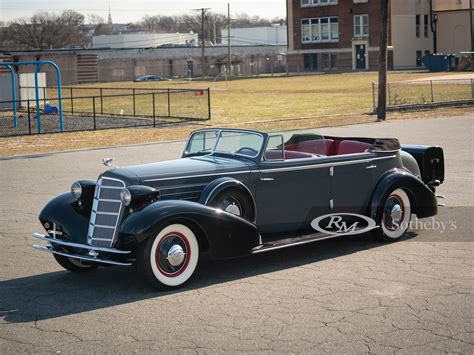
(268, 104)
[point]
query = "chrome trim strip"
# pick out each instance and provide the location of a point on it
(81, 246)
(111, 187)
(324, 165)
(80, 257)
(263, 249)
(202, 175)
(107, 213)
(106, 199)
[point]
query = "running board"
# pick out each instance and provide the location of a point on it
(289, 242)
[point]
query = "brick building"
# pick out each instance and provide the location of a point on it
(341, 35)
(333, 34)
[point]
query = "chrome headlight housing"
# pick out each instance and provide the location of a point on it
(76, 190)
(125, 197)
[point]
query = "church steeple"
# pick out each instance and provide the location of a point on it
(109, 21)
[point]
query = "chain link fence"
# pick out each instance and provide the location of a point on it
(416, 94)
(106, 108)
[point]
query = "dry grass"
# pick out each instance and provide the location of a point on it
(267, 104)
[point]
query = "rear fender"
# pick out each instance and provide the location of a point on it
(423, 201)
(227, 235)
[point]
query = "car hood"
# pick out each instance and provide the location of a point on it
(178, 168)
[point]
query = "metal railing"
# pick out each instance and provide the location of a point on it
(131, 108)
(419, 93)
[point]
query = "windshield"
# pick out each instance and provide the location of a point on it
(232, 142)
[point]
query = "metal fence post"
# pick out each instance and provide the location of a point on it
(208, 103)
(154, 117)
(472, 88)
(72, 103)
(388, 92)
(29, 117)
(373, 96)
(431, 86)
(44, 96)
(101, 103)
(93, 112)
(133, 93)
(169, 102)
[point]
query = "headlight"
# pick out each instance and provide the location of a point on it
(76, 190)
(126, 197)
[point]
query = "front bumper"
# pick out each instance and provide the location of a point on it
(94, 254)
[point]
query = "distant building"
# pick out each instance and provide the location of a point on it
(325, 35)
(144, 40)
(254, 36)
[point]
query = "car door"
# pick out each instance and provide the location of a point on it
(352, 182)
(290, 193)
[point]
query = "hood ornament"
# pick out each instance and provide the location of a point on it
(108, 162)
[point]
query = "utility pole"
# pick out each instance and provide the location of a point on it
(382, 106)
(229, 58)
(472, 28)
(203, 39)
(434, 25)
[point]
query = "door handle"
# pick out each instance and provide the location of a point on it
(266, 179)
(371, 167)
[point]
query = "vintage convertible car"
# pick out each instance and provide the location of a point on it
(240, 192)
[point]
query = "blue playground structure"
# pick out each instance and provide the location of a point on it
(38, 65)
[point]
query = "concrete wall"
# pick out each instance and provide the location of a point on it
(403, 31)
(143, 40)
(251, 36)
(454, 32)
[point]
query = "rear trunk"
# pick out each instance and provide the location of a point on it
(430, 160)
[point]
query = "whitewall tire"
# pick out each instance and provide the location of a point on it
(170, 259)
(396, 215)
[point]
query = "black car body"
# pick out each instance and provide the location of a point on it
(235, 193)
(150, 78)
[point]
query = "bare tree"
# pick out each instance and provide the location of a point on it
(47, 31)
(94, 19)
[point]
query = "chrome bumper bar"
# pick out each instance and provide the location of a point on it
(80, 246)
(93, 251)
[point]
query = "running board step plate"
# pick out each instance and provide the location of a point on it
(289, 242)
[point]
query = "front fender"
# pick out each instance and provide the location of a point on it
(70, 217)
(421, 197)
(227, 235)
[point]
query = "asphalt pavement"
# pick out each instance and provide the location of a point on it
(347, 295)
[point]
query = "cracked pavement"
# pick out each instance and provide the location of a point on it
(347, 295)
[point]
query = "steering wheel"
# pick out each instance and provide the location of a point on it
(246, 151)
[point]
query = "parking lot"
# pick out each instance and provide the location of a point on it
(347, 295)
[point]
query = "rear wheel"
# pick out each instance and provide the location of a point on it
(169, 259)
(74, 265)
(395, 217)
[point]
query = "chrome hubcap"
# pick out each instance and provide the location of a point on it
(233, 208)
(396, 213)
(176, 255)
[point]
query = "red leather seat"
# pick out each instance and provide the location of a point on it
(351, 147)
(318, 146)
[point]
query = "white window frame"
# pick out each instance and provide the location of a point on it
(333, 36)
(318, 3)
(359, 23)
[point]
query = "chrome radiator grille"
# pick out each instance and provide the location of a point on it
(106, 212)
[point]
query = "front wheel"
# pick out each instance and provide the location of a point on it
(395, 218)
(169, 259)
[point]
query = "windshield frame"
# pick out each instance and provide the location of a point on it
(219, 132)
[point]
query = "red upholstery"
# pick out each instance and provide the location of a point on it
(276, 154)
(318, 146)
(351, 147)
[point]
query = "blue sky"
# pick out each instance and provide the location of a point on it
(134, 10)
